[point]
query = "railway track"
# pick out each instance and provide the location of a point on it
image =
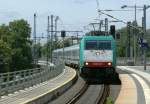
(103, 96)
(79, 94)
(100, 99)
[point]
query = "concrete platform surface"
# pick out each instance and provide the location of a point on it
(43, 92)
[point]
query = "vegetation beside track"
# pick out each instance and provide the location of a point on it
(109, 101)
(15, 46)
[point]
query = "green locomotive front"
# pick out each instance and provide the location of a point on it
(97, 56)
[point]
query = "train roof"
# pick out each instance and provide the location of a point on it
(67, 48)
(98, 37)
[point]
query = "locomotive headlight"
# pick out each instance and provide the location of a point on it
(109, 63)
(86, 63)
(97, 53)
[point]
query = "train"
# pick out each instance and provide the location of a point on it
(95, 56)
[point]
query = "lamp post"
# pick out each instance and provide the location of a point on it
(34, 45)
(134, 31)
(56, 19)
(144, 27)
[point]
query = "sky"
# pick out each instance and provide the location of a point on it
(73, 14)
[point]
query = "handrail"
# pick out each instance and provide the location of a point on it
(13, 81)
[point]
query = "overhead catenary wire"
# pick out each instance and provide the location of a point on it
(98, 6)
(135, 27)
(115, 10)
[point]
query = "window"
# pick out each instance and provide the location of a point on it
(91, 45)
(97, 45)
(104, 45)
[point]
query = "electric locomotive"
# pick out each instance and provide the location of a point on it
(97, 56)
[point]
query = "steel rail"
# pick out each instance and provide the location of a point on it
(79, 94)
(103, 95)
(101, 99)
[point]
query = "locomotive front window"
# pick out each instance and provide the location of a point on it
(91, 45)
(97, 45)
(104, 45)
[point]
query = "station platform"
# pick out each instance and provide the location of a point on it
(135, 88)
(43, 92)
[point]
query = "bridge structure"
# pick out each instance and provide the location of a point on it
(34, 85)
(13, 81)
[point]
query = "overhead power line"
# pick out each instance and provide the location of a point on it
(98, 6)
(135, 27)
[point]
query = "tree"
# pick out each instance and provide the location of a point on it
(15, 46)
(20, 44)
(5, 56)
(5, 33)
(122, 43)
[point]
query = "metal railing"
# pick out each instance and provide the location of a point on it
(130, 61)
(14, 81)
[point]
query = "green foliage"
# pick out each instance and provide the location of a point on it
(122, 44)
(5, 33)
(20, 32)
(15, 40)
(5, 56)
(121, 51)
(109, 101)
(67, 42)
